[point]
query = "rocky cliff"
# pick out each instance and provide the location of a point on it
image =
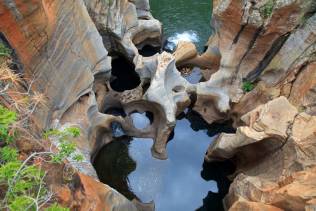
(270, 46)
(259, 70)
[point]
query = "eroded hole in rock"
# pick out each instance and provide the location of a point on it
(115, 111)
(140, 120)
(123, 76)
(149, 50)
(183, 182)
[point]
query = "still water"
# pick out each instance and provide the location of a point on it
(182, 182)
(184, 20)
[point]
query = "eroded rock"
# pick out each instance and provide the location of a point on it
(273, 153)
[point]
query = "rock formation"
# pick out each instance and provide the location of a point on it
(274, 153)
(270, 44)
(69, 48)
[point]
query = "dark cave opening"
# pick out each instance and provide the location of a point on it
(149, 50)
(123, 75)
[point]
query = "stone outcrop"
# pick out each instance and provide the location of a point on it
(270, 43)
(124, 25)
(275, 157)
(166, 97)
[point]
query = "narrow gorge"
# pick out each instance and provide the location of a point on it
(158, 105)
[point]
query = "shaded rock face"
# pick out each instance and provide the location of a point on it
(275, 157)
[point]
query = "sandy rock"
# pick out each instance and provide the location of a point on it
(295, 51)
(91, 195)
(253, 43)
(184, 51)
(275, 157)
(302, 93)
(252, 206)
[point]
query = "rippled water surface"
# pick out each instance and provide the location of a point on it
(184, 19)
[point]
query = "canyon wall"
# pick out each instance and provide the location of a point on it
(270, 46)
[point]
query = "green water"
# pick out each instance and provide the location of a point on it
(186, 17)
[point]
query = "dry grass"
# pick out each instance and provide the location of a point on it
(17, 95)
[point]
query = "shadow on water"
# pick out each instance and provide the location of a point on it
(217, 171)
(179, 183)
(113, 165)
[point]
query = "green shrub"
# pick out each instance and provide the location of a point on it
(23, 185)
(56, 207)
(267, 9)
(66, 148)
(7, 118)
(4, 51)
(248, 86)
(8, 154)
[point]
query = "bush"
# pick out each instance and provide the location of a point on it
(4, 51)
(267, 9)
(66, 148)
(248, 86)
(7, 118)
(56, 207)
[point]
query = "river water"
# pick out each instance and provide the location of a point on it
(184, 20)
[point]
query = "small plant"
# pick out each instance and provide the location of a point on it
(23, 184)
(248, 86)
(4, 51)
(66, 148)
(56, 207)
(267, 9)
(7, 118)
(8, 154)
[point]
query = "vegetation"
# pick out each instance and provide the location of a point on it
(4, 51)
(66, 148)
(22, 179)
(23, 183)
(267, 9)
(248, 86)
(7, 117)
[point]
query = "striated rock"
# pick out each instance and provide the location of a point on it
(294, 53)
(302, 93)
(259, 41)
(122, 26)
(54, 51)
(275, 158)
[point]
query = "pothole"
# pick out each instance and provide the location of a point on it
(140, 120)
(149, 50)
(123, 75)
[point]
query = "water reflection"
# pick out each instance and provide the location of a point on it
(182, 182)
